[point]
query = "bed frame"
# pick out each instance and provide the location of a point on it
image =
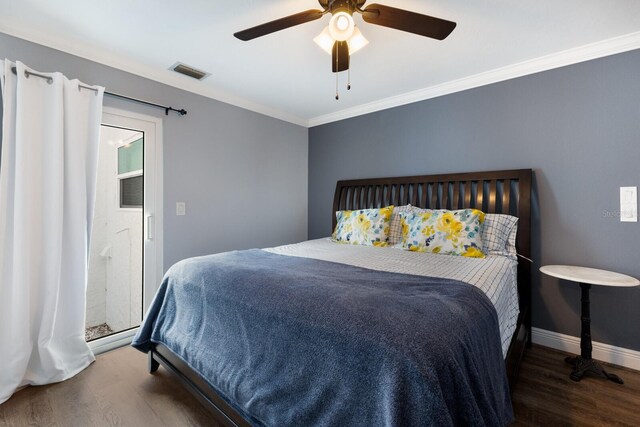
(507, 192)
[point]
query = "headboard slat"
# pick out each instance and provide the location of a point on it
(434, 196)
(493, 188)
(343, 196)
(479, 195)
(506, 192)
(445, 195)
(405, 196)
(456, 195)
(467, 195)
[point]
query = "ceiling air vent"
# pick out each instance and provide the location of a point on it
(181, 68)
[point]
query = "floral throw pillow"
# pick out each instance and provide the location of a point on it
(369, 227)
(444, 232)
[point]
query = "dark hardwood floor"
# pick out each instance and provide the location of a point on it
(546, 396)
(117, 391)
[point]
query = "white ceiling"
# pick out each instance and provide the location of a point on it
(286, 75)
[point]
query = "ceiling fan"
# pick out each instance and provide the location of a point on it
(342, 26)
(341, 38)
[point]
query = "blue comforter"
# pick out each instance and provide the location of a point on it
(292, 341)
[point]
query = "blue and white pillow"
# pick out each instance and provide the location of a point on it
(444, 232)
(369, 227)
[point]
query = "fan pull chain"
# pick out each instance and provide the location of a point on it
(349, 78)
(337, 93)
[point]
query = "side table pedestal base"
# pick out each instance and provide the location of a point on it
(582, 366)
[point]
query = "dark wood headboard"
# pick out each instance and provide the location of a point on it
(507, 192)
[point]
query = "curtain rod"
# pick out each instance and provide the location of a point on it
(49, 79)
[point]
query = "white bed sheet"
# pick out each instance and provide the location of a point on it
(495, 275)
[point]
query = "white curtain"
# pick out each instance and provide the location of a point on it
(48, 165)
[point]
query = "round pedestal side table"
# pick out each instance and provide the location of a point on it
(587, 277)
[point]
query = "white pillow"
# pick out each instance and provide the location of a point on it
(499, 235)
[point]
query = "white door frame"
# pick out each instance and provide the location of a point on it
(153, 249)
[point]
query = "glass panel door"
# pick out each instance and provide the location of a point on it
(115, 286)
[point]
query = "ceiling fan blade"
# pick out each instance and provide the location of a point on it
(411, 22)
(279, 24)
(340, 57)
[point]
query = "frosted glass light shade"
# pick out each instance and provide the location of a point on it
(341, 26)
(356, 42)
(324, 40)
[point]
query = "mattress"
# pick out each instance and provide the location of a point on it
(495, 275)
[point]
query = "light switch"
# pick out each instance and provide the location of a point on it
(181, 208)
(629, 204)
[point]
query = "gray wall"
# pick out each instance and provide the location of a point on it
(578, 127)
(243, 175)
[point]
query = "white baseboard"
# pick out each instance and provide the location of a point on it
(603, 352)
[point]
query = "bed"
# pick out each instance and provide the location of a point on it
(351, 355)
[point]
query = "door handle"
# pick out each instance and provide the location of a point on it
(149, 227)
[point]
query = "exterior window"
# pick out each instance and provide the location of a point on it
(131, 192)
(130, 175)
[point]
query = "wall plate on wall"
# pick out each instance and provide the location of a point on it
(181, 208)
(629, 204)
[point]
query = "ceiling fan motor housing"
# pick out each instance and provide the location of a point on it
(348, 6)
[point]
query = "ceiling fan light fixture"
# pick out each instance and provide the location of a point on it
(357, 41)
(341, 26)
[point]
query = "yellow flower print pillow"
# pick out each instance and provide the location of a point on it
(369, 227)
(443, 232)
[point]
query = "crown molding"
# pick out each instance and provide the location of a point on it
(556, 60)
(86, 51)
